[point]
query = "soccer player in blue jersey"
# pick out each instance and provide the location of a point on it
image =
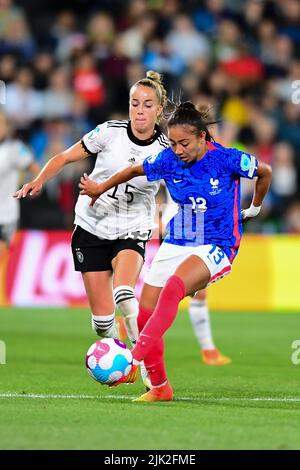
(203, 238)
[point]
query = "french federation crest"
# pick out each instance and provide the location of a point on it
(214, 187)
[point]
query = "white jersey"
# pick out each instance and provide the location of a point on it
(14, 156)
(129, 207)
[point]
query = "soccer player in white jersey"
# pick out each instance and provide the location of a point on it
(14, 158)
(109, 239)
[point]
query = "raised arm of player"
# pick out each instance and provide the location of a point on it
(94, 190)
(51, 169)
(262, 184)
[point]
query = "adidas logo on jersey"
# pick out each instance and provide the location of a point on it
(141, 244)
(131, 160)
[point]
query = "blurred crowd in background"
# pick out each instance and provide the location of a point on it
(69, 65)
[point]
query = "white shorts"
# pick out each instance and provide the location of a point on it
(169, 257)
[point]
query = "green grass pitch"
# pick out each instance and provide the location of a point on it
(48, 401)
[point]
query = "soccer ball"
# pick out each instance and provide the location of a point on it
(108, 360)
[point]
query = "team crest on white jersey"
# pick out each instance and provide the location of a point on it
(214, 187)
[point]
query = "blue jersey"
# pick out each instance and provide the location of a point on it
(207, 193)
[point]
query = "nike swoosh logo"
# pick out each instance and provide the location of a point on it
(177, 181)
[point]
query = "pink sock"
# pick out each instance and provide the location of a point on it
(162, 317)
(154, 361)
(143, 317)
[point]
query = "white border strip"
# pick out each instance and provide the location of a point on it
(127, 397)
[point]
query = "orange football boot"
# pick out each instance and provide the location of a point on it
(213, 357)
(163, 393)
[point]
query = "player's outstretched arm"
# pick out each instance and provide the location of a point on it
(261, 187)
(94, 190)
(51, 169)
